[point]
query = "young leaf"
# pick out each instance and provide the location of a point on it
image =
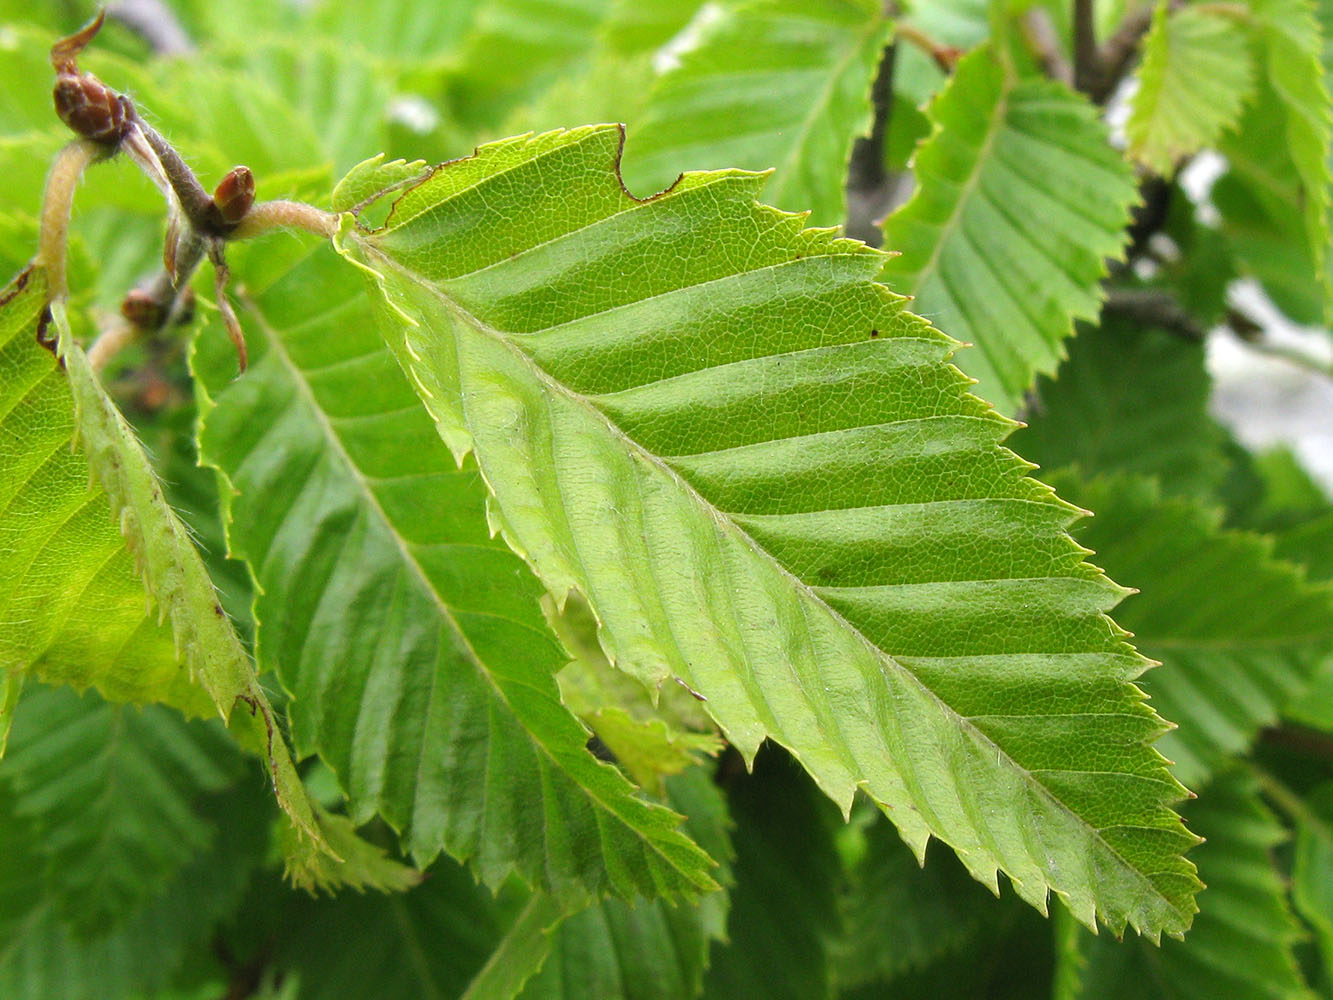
(1196, 75)
(175, 575)
(781, 84)
(72, 607)
(1233, 656)
(110, 791)
(1275, 199)
(768, 482)
(649, 741)
(1241, 943)
(1020, 200)
(419, 664)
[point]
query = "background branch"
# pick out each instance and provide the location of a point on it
(1087, 60)
(155, 23)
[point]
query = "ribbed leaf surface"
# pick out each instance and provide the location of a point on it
(1196, 74)
(420, 666)
(1241, 942)
(769, 483)
(1020, 199)
(72, 608)
(110, 791)
(776, 83)
(1232, 655)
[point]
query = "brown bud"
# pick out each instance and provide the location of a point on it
(64, 53)
(147, 312)
(92, 109)
(234, 196)
(142, 310)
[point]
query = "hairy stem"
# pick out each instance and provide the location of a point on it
(57, 204)
(269, 215)
(119, 334)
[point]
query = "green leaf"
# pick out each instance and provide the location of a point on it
(373, 177)
(398, 30)
(521, 952)
(110, 791)
(428, 942)
(634, 26)
(176, 578)
(767, 481)
(1196, 75)
(649, 741)
(354, 863)
(72, 607)
(1128, 399)
(1020, 201)
(774, 83)
(784, 907)
(649, 950)
(1233, 656)
(1275, 198)
(1291, 44)
(1241, 942)
(897, 915)
(412, 643)
(1312, 869)
(11, 687)
(515, 47)
(41, 957)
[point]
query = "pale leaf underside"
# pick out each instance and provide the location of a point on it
(768, 482)
(413, 645)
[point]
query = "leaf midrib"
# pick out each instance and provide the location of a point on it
(557, 388)
(307, 396)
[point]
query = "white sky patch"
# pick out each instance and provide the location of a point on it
(1268, 401)
(414, 112)
(688, 38)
